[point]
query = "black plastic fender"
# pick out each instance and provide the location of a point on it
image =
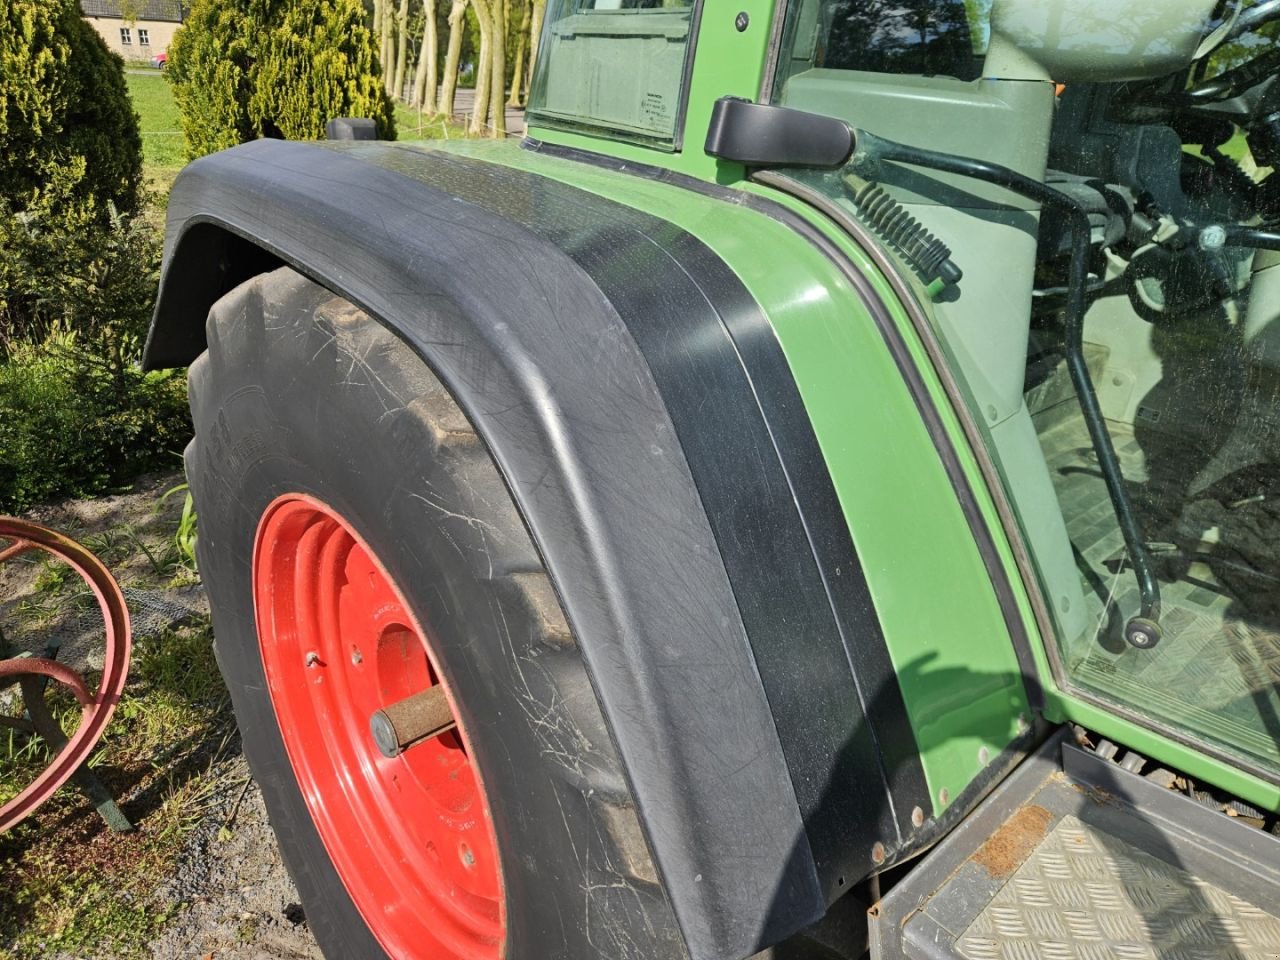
(557, 387)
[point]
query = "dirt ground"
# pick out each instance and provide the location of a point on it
(239, 901)
(227, 893)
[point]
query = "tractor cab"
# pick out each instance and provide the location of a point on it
(1116, 346)
(1079, 196)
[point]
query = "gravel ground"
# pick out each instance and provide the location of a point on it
(241, 903)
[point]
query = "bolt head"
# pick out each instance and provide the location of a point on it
(917, 817)
(878, 853)
(742, 21)
(1213, 237)
(311, 659)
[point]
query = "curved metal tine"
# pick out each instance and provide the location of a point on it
(16, 548)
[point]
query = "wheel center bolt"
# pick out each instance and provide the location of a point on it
(416, 718)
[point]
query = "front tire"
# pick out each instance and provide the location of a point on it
(359, 545)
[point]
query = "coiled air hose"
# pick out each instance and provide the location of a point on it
(928, 255)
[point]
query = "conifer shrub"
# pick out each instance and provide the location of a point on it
(244, 69)
(64, 106)
(79, 265)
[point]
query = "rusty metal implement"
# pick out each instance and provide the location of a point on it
(18, 537)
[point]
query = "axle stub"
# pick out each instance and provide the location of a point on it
(417, 717)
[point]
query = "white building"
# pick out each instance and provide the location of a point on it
(146, 34)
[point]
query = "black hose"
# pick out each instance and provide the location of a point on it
(1253, 18)
(1144, 630)
(1253, 238)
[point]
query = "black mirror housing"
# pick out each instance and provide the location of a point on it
(760, 135)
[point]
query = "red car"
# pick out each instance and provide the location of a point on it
(159, 60)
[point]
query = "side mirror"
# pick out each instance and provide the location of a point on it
(351, 128)
(760, 135)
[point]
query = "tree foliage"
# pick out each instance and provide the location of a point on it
(61, 270)
(64, 107)
(77, 414)
(243, 69)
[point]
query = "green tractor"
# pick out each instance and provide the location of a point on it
(817, 493)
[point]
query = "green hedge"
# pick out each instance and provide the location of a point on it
(64, 106)
(78, 268)
(72, 425)
(244, 69)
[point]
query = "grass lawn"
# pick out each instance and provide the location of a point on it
(412, 125)
(161, 133)
(68, 886)
(163, 151)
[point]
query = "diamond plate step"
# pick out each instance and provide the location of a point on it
(1073, 857)
(1084, 893)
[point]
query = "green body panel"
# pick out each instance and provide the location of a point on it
(1061, 705)
(943, 625)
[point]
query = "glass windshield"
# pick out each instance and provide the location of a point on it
(1138, 436)
(614, 67)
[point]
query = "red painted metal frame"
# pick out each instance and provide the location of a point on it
(411, 836)
(96, 707)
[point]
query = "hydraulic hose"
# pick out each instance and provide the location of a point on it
(1253, 238)
(869, 152)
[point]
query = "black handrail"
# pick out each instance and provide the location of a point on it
(869, 152)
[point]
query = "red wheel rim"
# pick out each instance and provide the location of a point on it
(410, 836)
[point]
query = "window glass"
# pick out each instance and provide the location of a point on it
(1139, 446)
(615, 66)
(926, 37)
(124, 36)
(143, 38)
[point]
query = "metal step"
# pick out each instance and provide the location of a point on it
(1075, 857)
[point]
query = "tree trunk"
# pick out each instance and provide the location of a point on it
(424, 80)
(402, 48)
(498, 54)
(522, 44)
(449, 82)
(535, 34)
(484, 67)
(388, 49)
